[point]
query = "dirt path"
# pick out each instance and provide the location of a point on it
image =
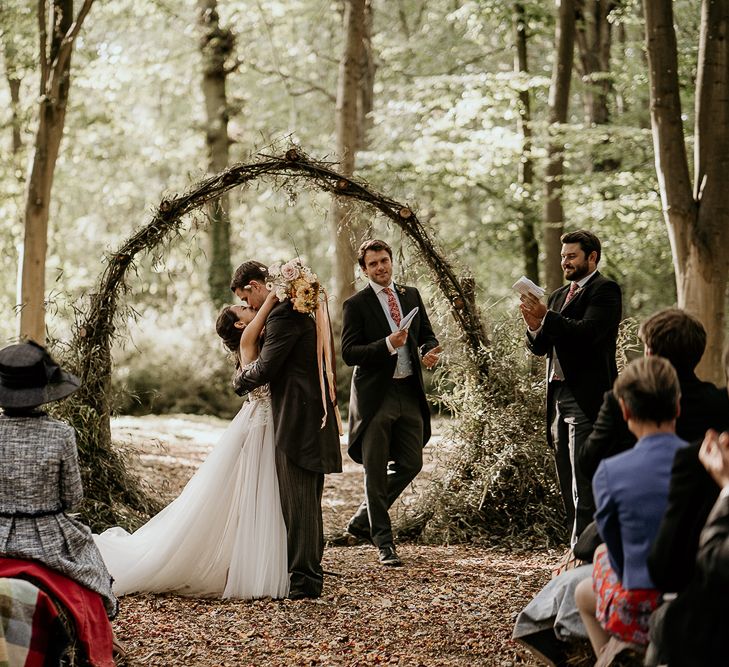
(449, 605)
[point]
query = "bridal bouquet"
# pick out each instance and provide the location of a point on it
(296, 281)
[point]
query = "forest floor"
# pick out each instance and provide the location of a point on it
(449, 605)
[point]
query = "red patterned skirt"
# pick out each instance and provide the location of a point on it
(623, 613)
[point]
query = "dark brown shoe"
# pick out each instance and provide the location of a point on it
(389, 557)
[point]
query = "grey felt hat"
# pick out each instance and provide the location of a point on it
(30, 377)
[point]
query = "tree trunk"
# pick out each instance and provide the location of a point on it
(697, 217)
(558, 106)
(216, 45)
(54, 88)
(529, 244)
(594, 41)
(13, 79)
(348, 136)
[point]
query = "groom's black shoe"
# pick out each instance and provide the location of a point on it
(359, 532)
(388, 556)
(303, 595)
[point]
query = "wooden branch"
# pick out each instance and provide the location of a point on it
(311, 86)
(66, 48)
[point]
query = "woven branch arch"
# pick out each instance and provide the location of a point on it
(90, 412)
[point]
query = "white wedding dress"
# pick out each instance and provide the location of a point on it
(224, 535)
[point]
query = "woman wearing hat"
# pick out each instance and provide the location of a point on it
(39, 474)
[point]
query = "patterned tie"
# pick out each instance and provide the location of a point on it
(392, 305)
(571, 293)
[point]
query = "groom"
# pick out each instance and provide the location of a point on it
(304, 450)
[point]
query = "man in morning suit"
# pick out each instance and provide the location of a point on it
(389, 419)
(577, 330)
(305, 450)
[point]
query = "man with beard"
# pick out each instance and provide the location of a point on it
(577, 330)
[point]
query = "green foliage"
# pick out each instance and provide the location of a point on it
(495, 479)
(160, 371)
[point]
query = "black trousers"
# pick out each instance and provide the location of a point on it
(301, 492)
(570, 430)
(394, 436)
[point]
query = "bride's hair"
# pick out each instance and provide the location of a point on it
(228, 332)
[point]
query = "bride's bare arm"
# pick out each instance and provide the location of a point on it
(252, 333)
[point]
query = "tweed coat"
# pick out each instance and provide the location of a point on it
(40, 481)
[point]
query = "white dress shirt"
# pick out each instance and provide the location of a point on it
(404, 366)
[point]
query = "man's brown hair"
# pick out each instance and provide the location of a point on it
(375, 245)
(246, 272)
(649, 387)
(676, 335)
(587, 240)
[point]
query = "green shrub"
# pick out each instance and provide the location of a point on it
(168, 372)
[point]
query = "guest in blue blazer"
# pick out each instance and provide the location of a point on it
(631, 494)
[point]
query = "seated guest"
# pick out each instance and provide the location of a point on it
(39, 482)
(679, 337)
(672, 562)
(631, 491)
(691, 630)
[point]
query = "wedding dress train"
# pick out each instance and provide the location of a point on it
(224, 535)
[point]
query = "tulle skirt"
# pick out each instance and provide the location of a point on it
(224, 535)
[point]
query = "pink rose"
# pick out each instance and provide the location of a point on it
(289, 271)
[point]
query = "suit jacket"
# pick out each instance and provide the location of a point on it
(364, 329)
(288, 364)
(584, 334)
(703, 406)
(672, 561)
(631, 494)
(694, 625)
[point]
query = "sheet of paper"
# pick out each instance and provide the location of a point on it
(526, 286)
(405, 321)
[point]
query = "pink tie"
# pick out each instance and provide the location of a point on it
(571, 293)
(392, 305)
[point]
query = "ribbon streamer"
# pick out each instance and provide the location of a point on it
(326, 360)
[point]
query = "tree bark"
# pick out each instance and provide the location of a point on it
(697, 216)
(55, 79)
(559, 90)
(14, 80)
(216, 45)
(529, 244)
(594, 41)
(349, 134)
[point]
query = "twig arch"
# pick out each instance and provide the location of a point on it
(91, 345)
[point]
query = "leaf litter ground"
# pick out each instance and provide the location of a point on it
(449, 605)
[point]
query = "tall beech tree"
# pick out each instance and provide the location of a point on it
(216, 44)
(529, 244)
(559, 91)
(55, 83)
(594, 41)
(350, 133)
(697, 215)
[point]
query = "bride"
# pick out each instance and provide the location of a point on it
(225, 534)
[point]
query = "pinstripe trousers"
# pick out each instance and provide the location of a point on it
(301, 492)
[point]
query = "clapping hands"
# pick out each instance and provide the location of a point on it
(532, 310)
(714, 454)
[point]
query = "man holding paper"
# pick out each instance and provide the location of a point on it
(577, 330)
(386, 335)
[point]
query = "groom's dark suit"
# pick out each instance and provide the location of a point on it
(374, 391)
(304, 450)
(583, 334)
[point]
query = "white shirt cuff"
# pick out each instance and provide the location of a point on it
(389, 345)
